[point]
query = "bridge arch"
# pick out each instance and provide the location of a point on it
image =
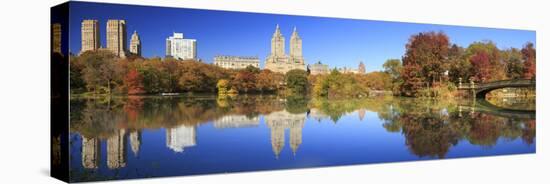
(480, 90)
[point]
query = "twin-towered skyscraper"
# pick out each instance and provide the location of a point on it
(116, 38)
(277, 60)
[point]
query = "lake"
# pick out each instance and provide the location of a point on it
(149, 136)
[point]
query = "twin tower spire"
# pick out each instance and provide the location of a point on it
(278, 61)
(278, 43)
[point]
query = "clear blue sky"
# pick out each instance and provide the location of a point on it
(336, 42)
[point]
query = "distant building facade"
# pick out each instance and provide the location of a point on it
(135, 44)
(362, 69)
(56, 38)
(180, 48)
(89, 35)
(116, 37)
(236, 121)
(278, 61)
(318, 68)
(348, 70)
(236, 62)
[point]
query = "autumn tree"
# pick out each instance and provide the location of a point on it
(268, 81)
(133, 82)
(481, 67)
(529, 60)
(424, 61)
(98, 70)
(244, 81)
(222, 86)
(76, 69)
(485, 54)
(459, 66)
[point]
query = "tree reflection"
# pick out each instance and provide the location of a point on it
(430, 128)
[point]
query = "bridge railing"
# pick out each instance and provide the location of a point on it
(518, 82)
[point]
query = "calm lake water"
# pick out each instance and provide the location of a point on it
(137, 137)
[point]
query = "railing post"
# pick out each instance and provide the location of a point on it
(472, 86)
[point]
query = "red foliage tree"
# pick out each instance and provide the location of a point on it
(244, 81)
(424, 61)
(481, 67)
(133, 81)
(529, 57)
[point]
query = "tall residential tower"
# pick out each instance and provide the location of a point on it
(278, 61)
(116, 37)
(180, 48)
(135, 44)
(90, 35)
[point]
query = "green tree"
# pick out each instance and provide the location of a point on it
(513, 62)
(459, 66)
(296, 81)
(393, 67)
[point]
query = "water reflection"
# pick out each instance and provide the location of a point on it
(428, 129)
(278, 122)
(180, 137)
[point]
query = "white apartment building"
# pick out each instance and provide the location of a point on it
(180, 48)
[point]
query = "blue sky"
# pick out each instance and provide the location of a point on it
(336, 42)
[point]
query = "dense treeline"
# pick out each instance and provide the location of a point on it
(432, 62)
(431, 67)
(100, 72)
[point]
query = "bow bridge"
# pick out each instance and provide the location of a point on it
(481, 89)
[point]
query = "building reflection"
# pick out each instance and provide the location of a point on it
(278, 122)
(317, 114)
(90, 152)
(180, 137)
(236, 121)
(135, 142)
(116, 150)
(361, 113)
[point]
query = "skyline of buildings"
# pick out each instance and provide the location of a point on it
(182, 48)
(335, 41)
(179, 47)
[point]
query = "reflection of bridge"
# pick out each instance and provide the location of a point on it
(481, 105)
(481, 89)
